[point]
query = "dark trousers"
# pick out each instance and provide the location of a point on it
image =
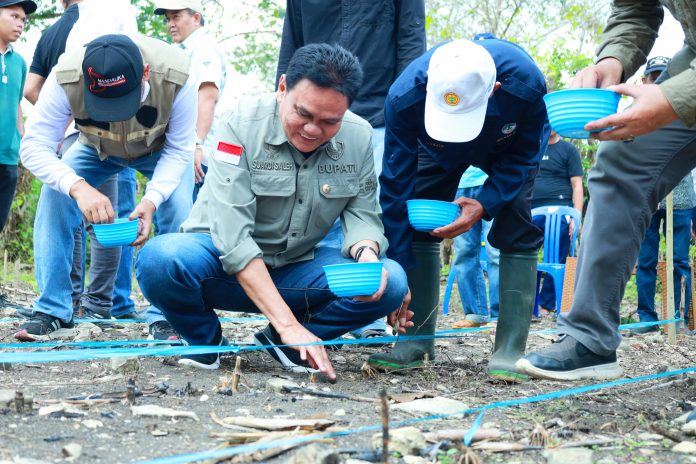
(512, 230)
(8, 184)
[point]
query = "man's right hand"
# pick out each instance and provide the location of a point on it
(599, 76)
(315, 355)
(198, 164)
(94, 205)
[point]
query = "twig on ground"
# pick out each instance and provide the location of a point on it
(235, 376)
(385, 425)
(323, 394)
(666, 433)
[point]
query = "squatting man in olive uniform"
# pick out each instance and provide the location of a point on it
(286, 166)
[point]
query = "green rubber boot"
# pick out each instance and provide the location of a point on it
(424, 282)
(517, 294)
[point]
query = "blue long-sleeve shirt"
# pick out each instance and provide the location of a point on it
(508, 148)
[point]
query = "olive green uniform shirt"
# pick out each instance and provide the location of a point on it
(630, 34)
(275, 203)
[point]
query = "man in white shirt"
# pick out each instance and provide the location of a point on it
(135, 106)
(208, 63)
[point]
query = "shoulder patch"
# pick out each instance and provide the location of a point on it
(229, 153)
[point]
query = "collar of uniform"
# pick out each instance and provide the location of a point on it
(492, 109)
(146, 92)
(191, 40)
(277, 135)
(10, 49)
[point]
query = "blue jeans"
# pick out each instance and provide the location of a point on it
(182, 274)
(646, 272)
(467, 265)
(547, 294)
(122, 302)
(58, 218)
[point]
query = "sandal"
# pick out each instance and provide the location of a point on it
(467, 324)
(375, 333)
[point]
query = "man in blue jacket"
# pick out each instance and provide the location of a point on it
(465, 103)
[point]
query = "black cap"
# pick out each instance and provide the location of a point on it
(28, 6)
(657, 63)
(113, 71)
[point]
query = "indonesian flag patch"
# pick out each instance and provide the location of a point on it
(229, 153)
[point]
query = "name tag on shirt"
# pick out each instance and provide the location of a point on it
(229, 153)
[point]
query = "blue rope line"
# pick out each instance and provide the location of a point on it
(120, 321)
(236, 450)
(472, 430)
(13, 357)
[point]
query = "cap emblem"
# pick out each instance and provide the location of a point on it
(452, 99)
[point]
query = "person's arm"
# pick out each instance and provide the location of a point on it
(20, 121)
(44, 131)
(32, 87)
(291, 39)
(628, 37)
(578, 197)
(258, 285)
(208, 95)
(179, 145)
(410, 32)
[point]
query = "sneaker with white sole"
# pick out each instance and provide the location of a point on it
(288, 357)
(568, 359)
(162, 330)
(42, 326)
(208, 361)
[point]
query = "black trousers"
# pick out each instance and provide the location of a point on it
(512, 230)
(8, 184)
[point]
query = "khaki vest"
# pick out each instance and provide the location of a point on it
(130, 139)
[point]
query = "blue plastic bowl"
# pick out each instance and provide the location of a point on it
(426, 215)
(354, 279)
(570, 110)
(119, 233)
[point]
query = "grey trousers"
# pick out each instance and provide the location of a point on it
(103, 261)
(625, 186)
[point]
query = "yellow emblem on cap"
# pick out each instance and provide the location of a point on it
(452, 99)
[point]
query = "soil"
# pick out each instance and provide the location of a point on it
(110, 433)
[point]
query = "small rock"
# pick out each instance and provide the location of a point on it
(565, 456)
(72, 451)
(340, 412)
(415, 460)
(405, 441)
(650, 436)
(315, 454)
(125, 364)
(92, 424)
(688, 447)
(689, 428)
(437, 405)
(338, 359)
(680, 420)
(647, 451)
(159, 433)
(87, 331)
(625, 345)
(276, 384)
(159, 411)
(356, 461)
(203, 397)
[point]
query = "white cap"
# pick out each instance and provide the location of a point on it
(461, 77)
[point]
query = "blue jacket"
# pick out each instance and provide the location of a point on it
(508, 148)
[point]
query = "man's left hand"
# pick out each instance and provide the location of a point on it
(400, 318)
(649, 111)
(198, 164)
(369, 256)
(472, 212)
(144, 211)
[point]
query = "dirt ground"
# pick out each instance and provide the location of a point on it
(630, 423)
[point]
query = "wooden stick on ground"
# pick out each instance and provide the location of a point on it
(237, 373)
(385, 426)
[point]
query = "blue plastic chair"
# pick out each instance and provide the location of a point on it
(483, 258)
(550, 262)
